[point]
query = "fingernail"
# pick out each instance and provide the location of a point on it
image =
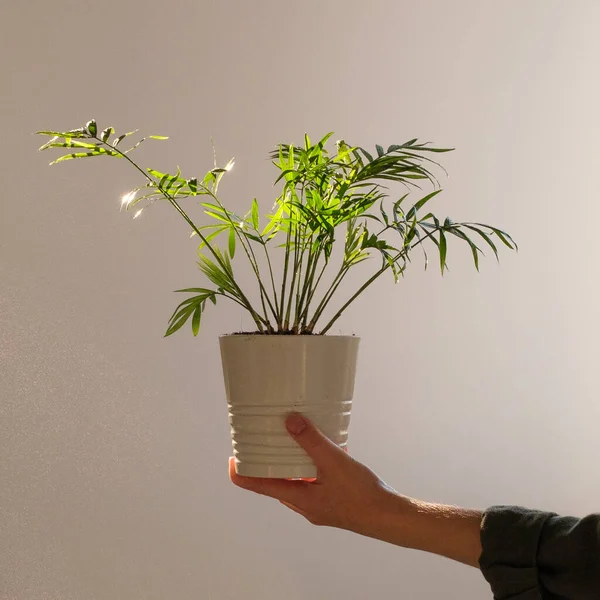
(295, 423)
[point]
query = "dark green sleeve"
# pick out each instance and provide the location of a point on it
(534, 555)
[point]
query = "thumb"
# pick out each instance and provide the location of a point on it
(319, 448)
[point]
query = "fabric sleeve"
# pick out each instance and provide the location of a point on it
(534, 555)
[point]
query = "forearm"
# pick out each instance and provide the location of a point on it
(449, 531)
(518, 550)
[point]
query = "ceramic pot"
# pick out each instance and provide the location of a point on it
(268, 376)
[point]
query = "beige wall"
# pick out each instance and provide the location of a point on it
(473, 389)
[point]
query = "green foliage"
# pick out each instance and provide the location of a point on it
(192, 307)
(326, 197)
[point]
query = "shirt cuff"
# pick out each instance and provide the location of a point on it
(510, 537)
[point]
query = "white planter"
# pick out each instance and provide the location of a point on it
(268, 376)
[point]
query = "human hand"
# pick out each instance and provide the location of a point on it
(345, 494)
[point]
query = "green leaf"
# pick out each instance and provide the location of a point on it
(425, 256)
(163, 181)
(91, 128)
(82, 155)
(209, 180)
(422, 148)
(158, 137)
(156, 173)
(196, 319)
(186, 305)
(196, 291)
(191, 307)
(368, 156)
(418, 205)
(475, 250)
(68, 143)
(395, 147)
(217, 216)
(106, 133)
(429, 236)
(123, 136)
(142, 141)
(225, 262)
(274, 221)
(255, 214)
(221, 213)
(73, 133)
(208, 238)
(131, 204)
(321, 145)
(232, 241)
(175, 326)
(443, 248)
(173, 179)
(384, 214)
(486, 238)
(193, 185)
(504, 237)
(214, 272)
(410, 143)
(397, 205)
(179, 319)
(380, 151)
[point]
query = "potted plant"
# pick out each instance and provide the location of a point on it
(328, 200)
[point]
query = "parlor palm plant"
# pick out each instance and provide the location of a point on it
(325, 197)
(328, 198)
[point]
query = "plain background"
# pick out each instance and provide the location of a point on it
(474, 389)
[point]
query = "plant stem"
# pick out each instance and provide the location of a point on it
(295, 274)
(286, 261)
(288, 311)
(307, 281)
(352, 299)
(374, 277)
(328, 295)
(301, 286)
(313, 292)
(251, 259)
(276, 301)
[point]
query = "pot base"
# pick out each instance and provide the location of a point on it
(276, 471)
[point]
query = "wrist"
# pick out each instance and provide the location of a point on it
(382, 515)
